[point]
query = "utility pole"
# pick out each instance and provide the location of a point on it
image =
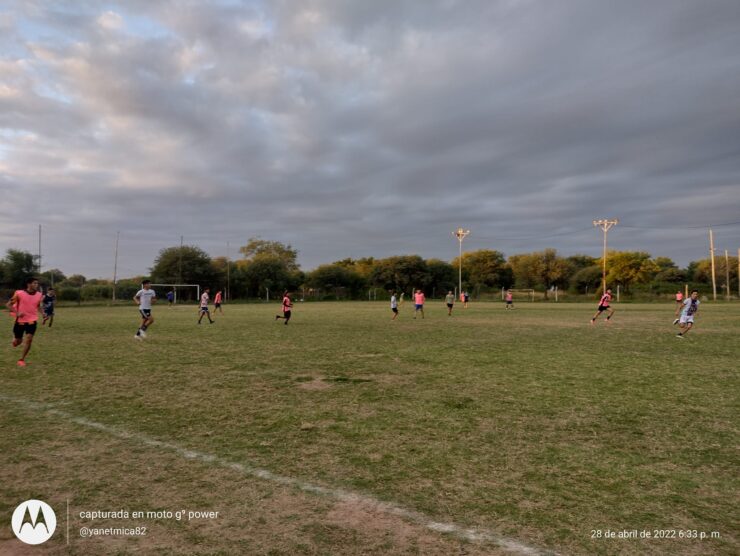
(179, 273)
(115, 267)
(711, 256)
(39, 250)
(460, 234)
(228, 273)
(727, 276)
(605, 225)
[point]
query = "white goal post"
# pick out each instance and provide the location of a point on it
(528, 292)
(175, 286)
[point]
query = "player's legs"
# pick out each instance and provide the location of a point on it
(685, 327)
(26, 346)
(17, 334)
(609, 315)
(286, 316)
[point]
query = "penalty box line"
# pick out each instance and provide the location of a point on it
(475, 535)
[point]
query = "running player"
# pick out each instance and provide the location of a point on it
(287, 306)
(203, 311)
(509, 299)
(450, 301)
(419, 303)
(217, 303)
(604, 306)
(145, 297)
(466, 299)
(688, 309)
(171, 297)
(394, 305)
(25, 305)
(48, 306)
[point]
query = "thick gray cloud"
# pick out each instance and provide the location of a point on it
(367, 128)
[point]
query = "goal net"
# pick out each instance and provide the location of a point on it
(174, 289)
(519, 294)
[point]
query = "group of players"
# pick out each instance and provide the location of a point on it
(24, 307)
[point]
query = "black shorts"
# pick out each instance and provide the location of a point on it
(286, 314)
(394, 309)
(217, 305)
(48, 311)
(603, 308)
(509, 302)
(145, 313)
(449, 305)
(20, 328)
(204, 310)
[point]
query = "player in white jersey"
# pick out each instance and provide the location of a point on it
(203, 311)
(394, 305)
(688, 309)
(145, 297)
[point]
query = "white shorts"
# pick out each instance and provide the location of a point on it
(687, 319)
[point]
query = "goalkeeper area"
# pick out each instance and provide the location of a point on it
(487, 432)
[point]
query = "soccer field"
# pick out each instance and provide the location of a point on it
(346, 433)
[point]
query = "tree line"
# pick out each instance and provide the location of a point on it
(270, 267)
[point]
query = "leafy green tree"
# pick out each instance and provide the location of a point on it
(16, 267)
(335, 276)
(585, 279)
(541, 268)
(258, 248)
(401, 273)
(196, 266)
(442, 276)
(630, 268)
(75, 281)
(484, 268)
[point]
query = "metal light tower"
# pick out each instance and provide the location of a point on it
(460, 234)
(606, 226)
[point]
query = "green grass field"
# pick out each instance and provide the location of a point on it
(528, 423)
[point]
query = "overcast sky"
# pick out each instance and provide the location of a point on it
(367, 128)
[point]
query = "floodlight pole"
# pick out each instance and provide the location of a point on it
(460, 234)
(228, 273)
(115, 266)
(711, 256)
(605, 225)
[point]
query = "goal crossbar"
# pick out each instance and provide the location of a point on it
(175, 286)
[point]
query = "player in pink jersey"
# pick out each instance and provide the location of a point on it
(419, 302)
(509, 299)
(25, 305)
(604, 306)
(217, 300)
(287, 306)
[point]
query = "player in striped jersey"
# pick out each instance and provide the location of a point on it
(604, 306)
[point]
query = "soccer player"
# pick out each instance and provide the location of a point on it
(145, 297)
(450, 300)
(509, 300)
(604, 306)
(466, 299)
(688, 309)
(203, 311)
(287, 306)
(217, 303)
(679, 298)
(419, 303)
(394, 305)
(25, 305)
(171, 297)
(48, 306)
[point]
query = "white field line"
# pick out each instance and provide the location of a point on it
(469, 534)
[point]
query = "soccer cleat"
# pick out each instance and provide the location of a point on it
(675, 322)
(142, 333)
(21, 363)
(679, 335)
(138, 337)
